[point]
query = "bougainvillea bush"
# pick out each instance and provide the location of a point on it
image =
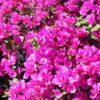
(49, 49)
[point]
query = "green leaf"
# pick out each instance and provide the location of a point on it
(14, 67)
(35, 44)
(78, 24)
(89, 27)
(5, 94)
(81, 22)
(64, 92)
(69, 57)
(80, 18)
(94, 38)
(95, 28)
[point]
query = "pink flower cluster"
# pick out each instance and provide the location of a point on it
(50, 49)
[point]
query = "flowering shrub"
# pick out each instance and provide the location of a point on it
(50, 49)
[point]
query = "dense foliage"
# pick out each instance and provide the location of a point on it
(49, 49)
